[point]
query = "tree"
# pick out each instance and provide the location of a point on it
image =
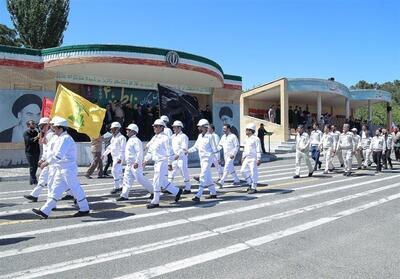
(8, 36)
(40, 23)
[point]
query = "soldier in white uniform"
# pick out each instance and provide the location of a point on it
(302, 151)
(206, 147)
(160, 151)
(180, 146)
(347, 146)
(216, 158)
(46, 135)
(117, 150)
(336, 135)
(377, 146)
(387, 151)
(251, 158)
(327, 145)
(366, 146)
(315, 140)
(358, 152)
(134, 164)
(167, 130)
(66, 176)
(230, 144)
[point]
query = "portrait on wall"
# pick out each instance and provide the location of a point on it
(18, 107)
(226, 114)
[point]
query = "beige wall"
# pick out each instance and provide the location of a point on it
(19, 78)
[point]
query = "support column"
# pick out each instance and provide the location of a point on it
(389, 118)
(347, 108)
(284, 100)
(369, 112)
(319, 107)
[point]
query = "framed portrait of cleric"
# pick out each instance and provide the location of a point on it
(226, 114)
(17, 107)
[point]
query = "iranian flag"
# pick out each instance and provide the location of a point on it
(47, 105)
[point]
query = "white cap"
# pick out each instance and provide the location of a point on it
(251, 126)
(59, 122)
(354, 130)
(44, 120)
(133, 127)
(115, 125)
(177, 123)
(203, 122)
(159, 122)
(164, 118)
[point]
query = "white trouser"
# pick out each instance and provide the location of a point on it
(130, 175)
(180, 166)
(229, 169)
(348, 159)
(220, 169)
(328, 159)
(340, 156)
(306, 157)
(205, 177)
(249, 172)
(116, 172)
(367, 156)
(42, 182)
(64, 179)
(160, 181)
(359, 157)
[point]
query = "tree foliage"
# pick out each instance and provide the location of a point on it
(379, 112)
(9, 36)
(39, 23)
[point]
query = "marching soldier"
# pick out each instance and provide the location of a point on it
(388, 149)
(230, 144)
(167, 130)
(327, 145)
(302, 151)
(117, 150)
(206, 147)
(134, 163)
(347, 146)
(180, 146)
(63, 159)
(251, 158)
(366, 146)
(377, 146)
(358, 152)
(336, 135)
(315, 140)
(160, 151)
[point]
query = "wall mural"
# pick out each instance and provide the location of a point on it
(226, 114)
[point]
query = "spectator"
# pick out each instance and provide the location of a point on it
(138, 119)
(107, 138)
(128, 112)
(96, 150)
(109, 114)
(118, 112)
(207, 114)
(271, 114)
(278, 115)
(148, 122)
(261, 133)
(291, 117)
(396, 143)
(32, 150)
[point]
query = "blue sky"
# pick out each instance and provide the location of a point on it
(259, 40)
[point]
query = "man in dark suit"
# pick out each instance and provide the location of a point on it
(32, 150)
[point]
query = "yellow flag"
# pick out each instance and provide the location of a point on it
(82, 115)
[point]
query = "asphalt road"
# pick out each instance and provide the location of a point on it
(327, 226)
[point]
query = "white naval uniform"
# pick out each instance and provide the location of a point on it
(347, 146)
(117, 150)
(215, 159)
(230, 144)
(251, 154)
(366, 150)
(160, 151)
(168, 132)
(303, 152)
(336, 136)
(206, 147)
(47, 147)
(358, 150)
(328, 146)
(134, 155)
(66, 174)
(180, 145)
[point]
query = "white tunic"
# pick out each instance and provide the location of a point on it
(302, 143)
(230, 144)
(365, 140)
(64, 153)
(252, 148)
(168, 132)
(180, 144)
(116, 147)
(346, 141)
(48, 144)
(377, 143)
(315, 137)
(327, 141)
(133, 151)
(160, 149)
(205, 145)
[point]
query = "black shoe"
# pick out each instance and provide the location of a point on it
(151, 196)
(331, 170)
(348, 174)
(122, 199)
(364, 167)
(185, 192)
(210, 197)
(178, 196)
(39, 213)
(369, 164)
(341, 165)
(75, 202)
(152, 205)
(345, 174)
(310, 174)
(81, 213)
(67, 197)
(100, 177)
(359, 168)
(252, 191)
(31, 198)
(196, 178)
(319, 165)
(296, 176)
(196, 200)
(116, 191)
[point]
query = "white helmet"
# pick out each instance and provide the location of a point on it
(59, 122)
(159, 122)
(203, 122)
(44, 120)
(177, 123)
(354, 130)
(115, 125)
(165, 119)
(133, 127)
(251, 126)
